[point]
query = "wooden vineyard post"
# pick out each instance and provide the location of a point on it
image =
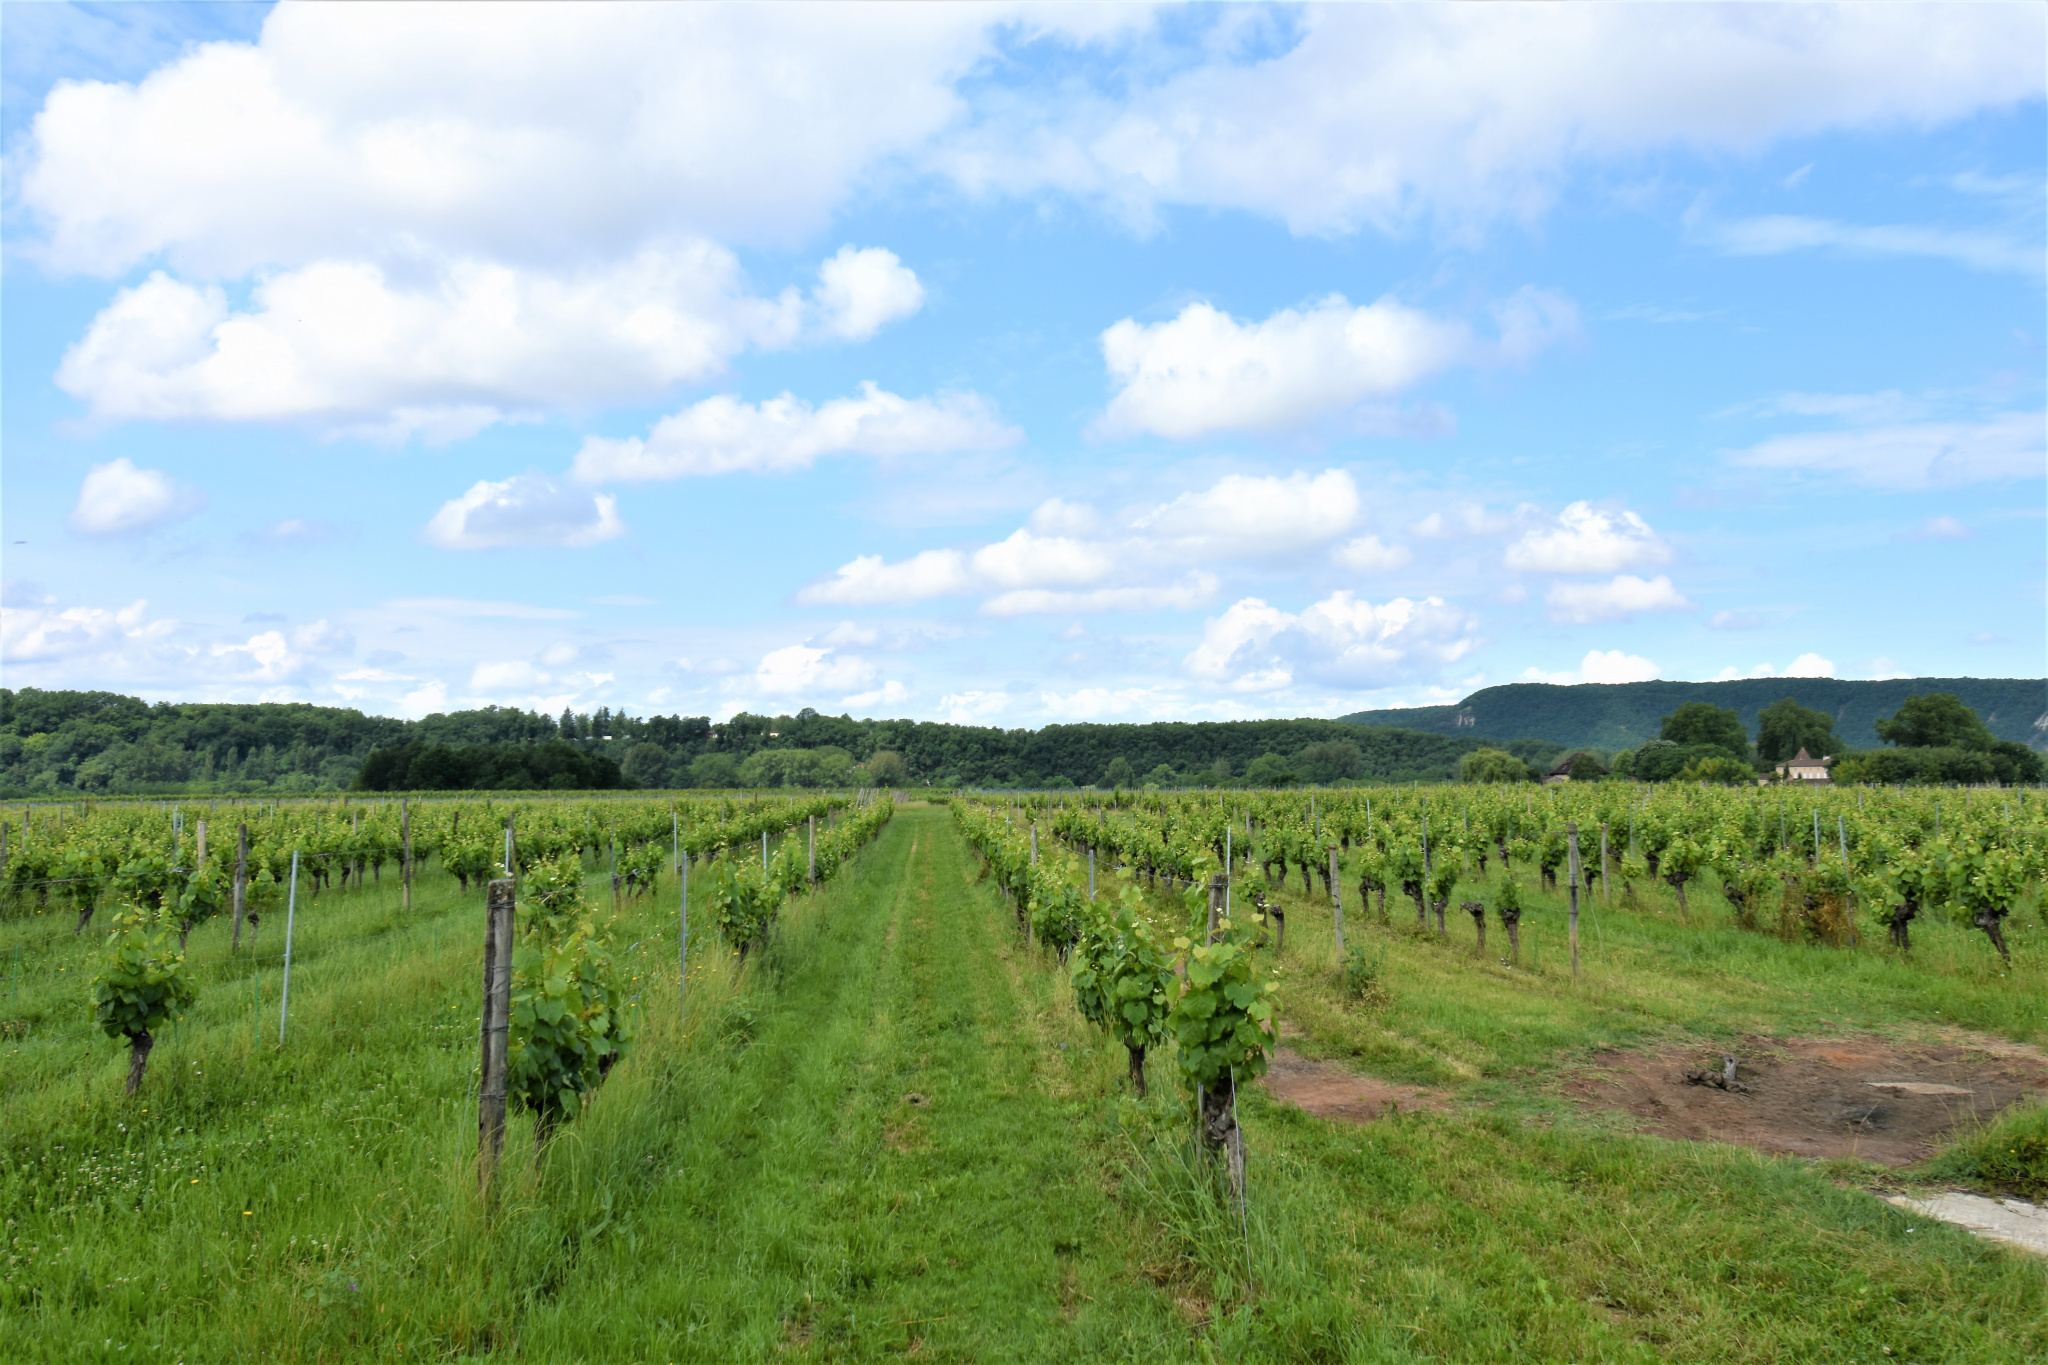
(291, 907)
(241, 892)
(497, 1027)
(811, 851)
(1034, 843)
(683, 940)
(1337, 903)
(1606, 896)
(405, 849)
(199, 851)
(1215, 905)
(1571, 834)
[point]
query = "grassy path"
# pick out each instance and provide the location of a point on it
(887, 1167)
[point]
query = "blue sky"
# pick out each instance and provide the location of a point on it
(1017, 364)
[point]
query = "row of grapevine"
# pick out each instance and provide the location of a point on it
(167, 881)
(1888, 856)
(1203, 989)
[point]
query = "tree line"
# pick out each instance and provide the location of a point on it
(1933, 738)
(59, 743)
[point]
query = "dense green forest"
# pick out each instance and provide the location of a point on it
(1614, 716)
(61, 743)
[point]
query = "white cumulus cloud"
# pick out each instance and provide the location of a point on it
(861, 291)
(117, 499)
(1252, 517)
(1616, 600)
(1340, 641)
(439, 348)
(1588, 539)
(527, 509)
(1807, 665)
(1204, 371)
(40, 632)
(1599, 666)
(722, 435)
(1072, 558)
(803, 668)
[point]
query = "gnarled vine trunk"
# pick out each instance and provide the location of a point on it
(1477, 910)
(139, 1045)
(1220, 1132)
(1991, 922)
(1901, 924)
(1137, 1068)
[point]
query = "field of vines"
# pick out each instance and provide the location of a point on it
(1822, 866)
(845, 1077)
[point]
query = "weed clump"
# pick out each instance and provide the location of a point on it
(1364, 976)
(2010, 1155)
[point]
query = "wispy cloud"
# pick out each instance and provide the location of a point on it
(1779, 234)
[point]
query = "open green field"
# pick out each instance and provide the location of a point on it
(892, 1136)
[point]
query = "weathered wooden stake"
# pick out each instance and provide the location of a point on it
(1606, 896)
(1337, 903)
(291, 905)
(497, 1027)
(405, 849)
(241, 893)
(199, 853)
(1571, 834)
(683, 942)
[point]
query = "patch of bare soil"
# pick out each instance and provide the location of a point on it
(1328, 1091)
(1890, 1103)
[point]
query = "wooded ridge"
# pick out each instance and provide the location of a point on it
(1614, 716)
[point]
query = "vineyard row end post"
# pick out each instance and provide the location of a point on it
(1337, 903)
(683, 940)
(1571, 834)
(291, 907)
(405, 852)
(1606, 896)
(241, 891)
(496, 1028)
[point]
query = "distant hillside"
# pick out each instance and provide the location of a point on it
(1623, 715)
(106, 744)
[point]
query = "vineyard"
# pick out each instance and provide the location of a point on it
(838, 1077)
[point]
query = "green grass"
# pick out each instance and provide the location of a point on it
(891, 1136)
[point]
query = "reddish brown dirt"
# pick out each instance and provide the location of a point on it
(1329, 1091)
(1890, 1103)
